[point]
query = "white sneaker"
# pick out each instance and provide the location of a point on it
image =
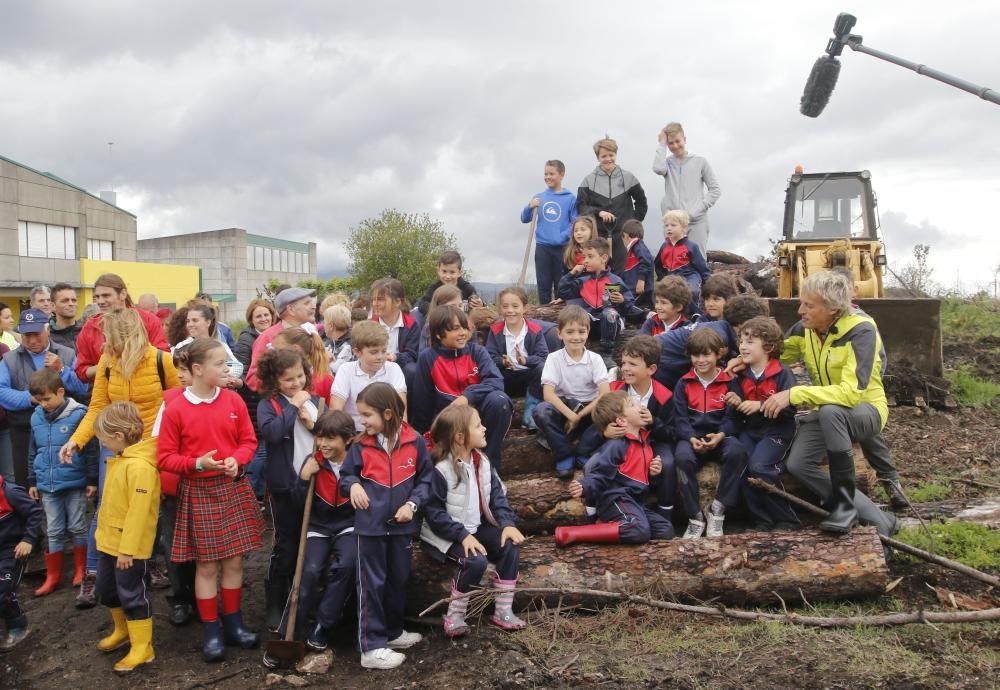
(405, 640)
(695, 529)
(714, 524)
(382, 659)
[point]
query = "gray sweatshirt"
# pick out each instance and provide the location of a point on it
(685, 183)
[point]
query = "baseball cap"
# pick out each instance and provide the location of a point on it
(32, 321)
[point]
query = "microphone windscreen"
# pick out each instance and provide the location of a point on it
(822, 79)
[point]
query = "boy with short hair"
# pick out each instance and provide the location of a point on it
(572, 380)
(638, 273)
(679, 256)
(556, 208)
(449, 272)
(330, 533)
(369, 343)
(63, 488)
(675, 361)
(706, 430)
(20, 529)
(715, 292)
(618, 479)
(456, 370)
(765, 440)
(672, 296)
(602, 294)
(639, 360)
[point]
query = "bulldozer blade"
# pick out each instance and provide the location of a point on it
(910, 329)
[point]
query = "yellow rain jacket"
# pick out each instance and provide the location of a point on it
(130, 502)
(845, 367)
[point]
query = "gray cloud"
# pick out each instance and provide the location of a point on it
(301, 120)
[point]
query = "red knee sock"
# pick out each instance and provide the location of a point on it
(231, 600)
(208, 609)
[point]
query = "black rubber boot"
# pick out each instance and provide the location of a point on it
(275, 595)
(843, 515)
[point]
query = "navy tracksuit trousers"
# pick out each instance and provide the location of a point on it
(471, 569)
(340, 579)
(766, 456)
(127, 589)
(287, 518)
(383, 569)
(11, 570)
(733, 457)
(495, 411)
(637, 524)
(552, 424)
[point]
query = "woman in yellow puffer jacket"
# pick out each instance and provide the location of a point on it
(131, 370)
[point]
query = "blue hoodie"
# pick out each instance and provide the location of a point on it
(556, 214)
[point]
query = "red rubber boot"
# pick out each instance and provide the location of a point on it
(79, 564)
(53, 573)
(600, 533)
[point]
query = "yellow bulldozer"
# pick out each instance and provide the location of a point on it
(831, 220)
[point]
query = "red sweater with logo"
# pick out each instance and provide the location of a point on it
(619, 469)
(587, 291)
(188, 431)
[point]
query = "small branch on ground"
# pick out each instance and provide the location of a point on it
(888, 541)
(905, 618)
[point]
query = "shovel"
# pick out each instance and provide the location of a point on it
(289, 650)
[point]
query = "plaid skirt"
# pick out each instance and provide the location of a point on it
(217, 518)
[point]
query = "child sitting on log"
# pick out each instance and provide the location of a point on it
(618, 479)
(468, 520)
(672, 297)
(765, 440)
(706, 429)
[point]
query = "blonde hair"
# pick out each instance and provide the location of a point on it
(338, 316)
(444, 295)
(673, 128)
(125, 339)
(310, 344)
(334, 298)
(680, 215)
(605, 143)
(569, 256)
(122, 417)
(368, 334)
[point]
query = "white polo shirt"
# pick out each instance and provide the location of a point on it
(351, 380)
(575, 379)
(394, 331)
(515, 343)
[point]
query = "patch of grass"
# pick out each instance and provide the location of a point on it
(971, 390)
(927, 491)
(970, 319)
(972, 544)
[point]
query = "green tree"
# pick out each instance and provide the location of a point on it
(404, 246)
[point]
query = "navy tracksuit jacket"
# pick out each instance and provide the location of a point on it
(520, 381)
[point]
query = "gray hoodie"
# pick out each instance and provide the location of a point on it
(685, 183)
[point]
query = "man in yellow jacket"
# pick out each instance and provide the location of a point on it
(126, 529)
(842, 351)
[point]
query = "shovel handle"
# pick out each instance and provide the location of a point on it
(296, 581)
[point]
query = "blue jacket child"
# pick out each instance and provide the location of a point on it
(592, 292)
(49, 432)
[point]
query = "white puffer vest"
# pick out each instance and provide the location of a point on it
(458, 497)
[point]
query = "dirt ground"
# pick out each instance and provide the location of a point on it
(620, 647)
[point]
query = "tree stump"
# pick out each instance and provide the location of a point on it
(739, 569)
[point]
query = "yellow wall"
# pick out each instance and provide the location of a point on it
(169, 282)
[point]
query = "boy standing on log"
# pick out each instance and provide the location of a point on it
(618, 479)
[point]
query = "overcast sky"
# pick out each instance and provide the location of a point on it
(301, 119)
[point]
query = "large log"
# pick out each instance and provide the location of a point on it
(739, 569)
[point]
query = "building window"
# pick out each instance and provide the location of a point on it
(276, 260)
(101, 250)
(46, 241)
(249, 258)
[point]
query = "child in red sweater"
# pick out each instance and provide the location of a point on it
(207, 438)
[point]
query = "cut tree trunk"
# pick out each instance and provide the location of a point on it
(739, 569)
(717, 256)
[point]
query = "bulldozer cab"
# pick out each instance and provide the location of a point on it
(830, 221)
(829, 206)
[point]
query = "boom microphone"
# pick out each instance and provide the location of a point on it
(822, 79)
